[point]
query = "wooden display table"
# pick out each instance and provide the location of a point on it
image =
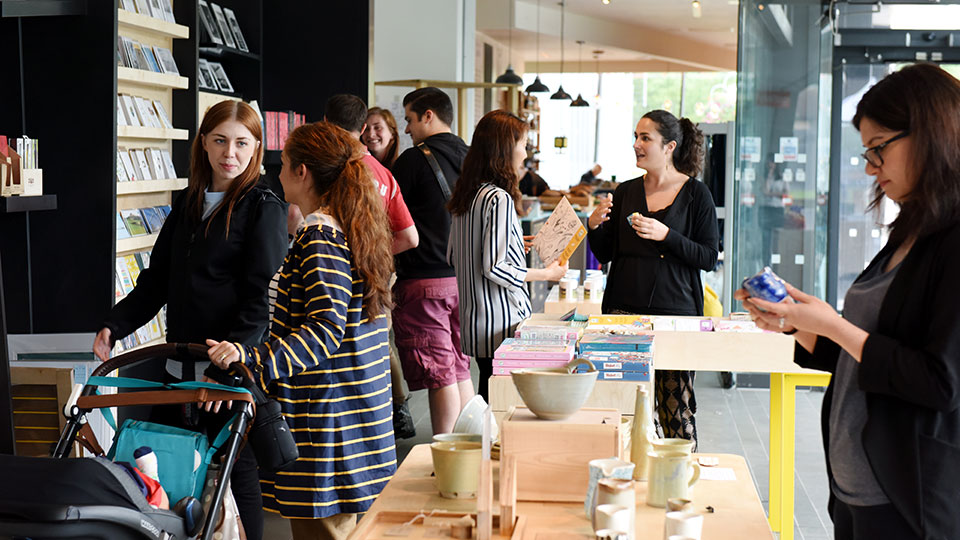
(719, 351)
(738, 511)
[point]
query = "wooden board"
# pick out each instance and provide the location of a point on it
(376, 526)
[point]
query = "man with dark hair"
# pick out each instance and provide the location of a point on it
(426, 318)
(350, 113)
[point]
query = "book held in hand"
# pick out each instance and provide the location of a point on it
(560, 235)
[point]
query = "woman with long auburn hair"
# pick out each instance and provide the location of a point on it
(211, 265)
(891, 415)
(382, 137)
(327, 359)
(486, 242)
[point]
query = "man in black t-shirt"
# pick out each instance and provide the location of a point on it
(426, 319)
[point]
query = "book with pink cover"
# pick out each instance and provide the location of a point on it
(515, 349)
(529, 363)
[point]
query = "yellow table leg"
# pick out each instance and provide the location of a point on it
(776, 449)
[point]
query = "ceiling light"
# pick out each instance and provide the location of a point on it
(695, 6)
(560, 94)
(509, 77)
(605, 2)
(579, 102)
(538, 86)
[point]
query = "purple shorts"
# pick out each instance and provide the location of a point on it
(426, 324)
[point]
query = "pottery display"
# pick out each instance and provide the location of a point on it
(604, 469)
(622, 493)
(683, 525)
(555, 393)
(457, 468)
(471, 418)
(641, 434)
(676, 504)
(611, 516)
(672, 474)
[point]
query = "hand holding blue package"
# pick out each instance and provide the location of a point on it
(765, 285)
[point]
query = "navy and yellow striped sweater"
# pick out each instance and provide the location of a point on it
(329, 367)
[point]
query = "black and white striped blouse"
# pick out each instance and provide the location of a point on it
(486, 250)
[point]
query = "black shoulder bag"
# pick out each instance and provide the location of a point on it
(437, 171)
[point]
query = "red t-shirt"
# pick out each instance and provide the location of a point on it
(397, 211)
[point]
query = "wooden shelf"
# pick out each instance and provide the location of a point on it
(135, 243)
(20, 203)
(150, 186)
(138, 132)
(220, 51)
(129, 20)
(151, 78)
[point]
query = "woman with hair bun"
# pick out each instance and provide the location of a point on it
(658, 232)
(327, 359)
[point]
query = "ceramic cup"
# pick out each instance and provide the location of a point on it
(611, 468)
(458, 437)
(676, 504)
(457, 467)
(683, 524)
(611, 516)
(672, 474)
(621, 493)
(672, 445)
(610, 534)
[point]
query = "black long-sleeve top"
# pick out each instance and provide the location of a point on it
(658, 278)
(910, 372)
(214, 287)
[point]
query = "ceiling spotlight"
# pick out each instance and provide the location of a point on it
(695, 6)
(605, 2)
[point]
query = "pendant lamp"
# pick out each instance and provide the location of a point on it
(509, 77)
(538, 86)
(579, 102)
(560, 94)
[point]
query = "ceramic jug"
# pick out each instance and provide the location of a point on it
(672, 474)
(611, 516)
(611, 468)
(620, 493)
(642, 434)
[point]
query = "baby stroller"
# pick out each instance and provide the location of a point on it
(62, 497)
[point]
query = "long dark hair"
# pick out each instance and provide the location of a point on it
(348, 191)
(688, 155)
(489, 160)
(201, 173)
(923, 100)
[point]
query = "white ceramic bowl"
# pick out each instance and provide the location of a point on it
(555, 393)
(471, 418)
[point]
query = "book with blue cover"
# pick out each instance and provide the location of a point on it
(616, 342)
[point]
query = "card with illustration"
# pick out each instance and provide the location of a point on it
(560, 235)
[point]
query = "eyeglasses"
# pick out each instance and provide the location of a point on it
(872, 155)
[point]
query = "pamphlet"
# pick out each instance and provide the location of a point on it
(560, 235)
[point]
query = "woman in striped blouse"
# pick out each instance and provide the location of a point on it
(486, 242)
(327, 360)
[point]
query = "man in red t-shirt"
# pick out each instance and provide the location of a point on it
(350, 113)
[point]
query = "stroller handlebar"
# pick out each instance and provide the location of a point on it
(178, 351)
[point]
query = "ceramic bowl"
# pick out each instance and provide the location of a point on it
(458, 437)
(471, 418)
(555, 393)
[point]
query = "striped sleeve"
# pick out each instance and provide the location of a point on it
(325, 275)
(498, 210)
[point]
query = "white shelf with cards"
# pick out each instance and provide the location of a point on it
(133, 244)
(139, 187)
(128, 20)
(139, 132)
(151, 78)
(158, 341)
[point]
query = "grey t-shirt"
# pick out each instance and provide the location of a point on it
(853, 480)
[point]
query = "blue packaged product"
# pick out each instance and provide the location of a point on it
(765, 285)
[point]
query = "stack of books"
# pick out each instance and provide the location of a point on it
(514, 354)
(619, 357)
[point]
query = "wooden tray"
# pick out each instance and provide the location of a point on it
(376, 527)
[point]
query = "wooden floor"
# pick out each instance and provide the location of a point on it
(734, 421)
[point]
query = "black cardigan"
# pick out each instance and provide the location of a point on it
(910, 371)
(214, 287)
(658, 278)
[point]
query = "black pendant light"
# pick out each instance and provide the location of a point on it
(509, 77)
(560, 94)
(579, 102)
(538, 86)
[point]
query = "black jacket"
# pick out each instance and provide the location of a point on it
(214, 287)
(910, 371)
(428, 206)
(658, 278)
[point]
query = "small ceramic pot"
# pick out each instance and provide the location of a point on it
(457, 468)
(683, 524)
(676, 504)
(458, 437)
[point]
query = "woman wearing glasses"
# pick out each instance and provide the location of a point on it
(891, 416)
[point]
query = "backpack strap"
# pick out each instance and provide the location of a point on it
(437, 171)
